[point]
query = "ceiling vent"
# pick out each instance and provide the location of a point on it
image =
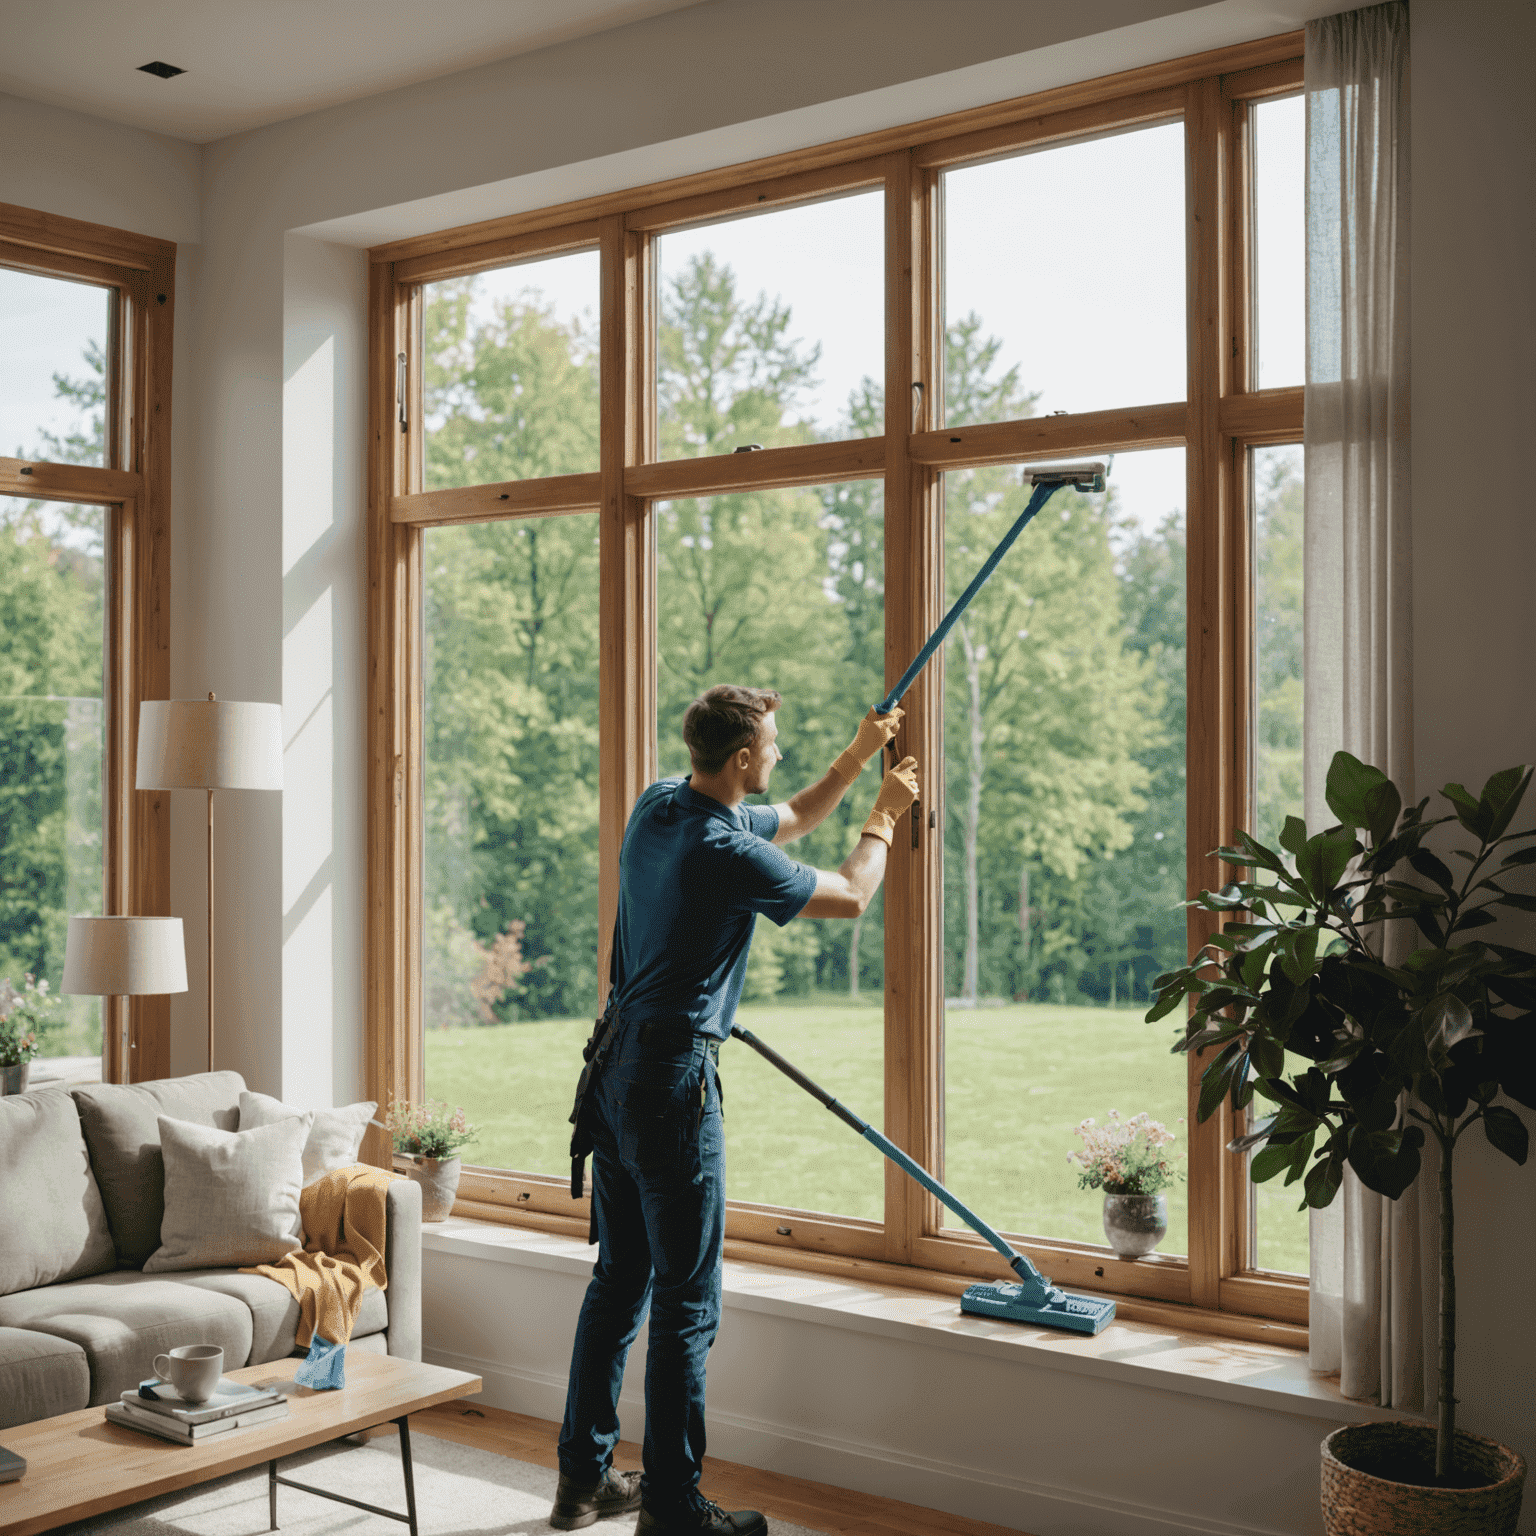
(163, 70)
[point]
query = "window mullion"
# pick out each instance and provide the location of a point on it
(1217, 724)
(626, 558)
(913, 911)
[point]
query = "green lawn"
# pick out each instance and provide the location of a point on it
(1018, 1080)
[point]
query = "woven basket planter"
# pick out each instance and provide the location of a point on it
(1357, 1504)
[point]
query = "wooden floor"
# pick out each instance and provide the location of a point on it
(817, 1505)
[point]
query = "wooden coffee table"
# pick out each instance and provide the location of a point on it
(79, 1465)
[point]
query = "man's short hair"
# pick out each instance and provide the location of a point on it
(723, 720)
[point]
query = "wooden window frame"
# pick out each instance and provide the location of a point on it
(135, 489)
(1215, 1285)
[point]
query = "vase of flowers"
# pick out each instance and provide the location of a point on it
(25, 1017)
(428, 1136)
(1127, 1160)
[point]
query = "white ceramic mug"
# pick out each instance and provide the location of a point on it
(193, 1369)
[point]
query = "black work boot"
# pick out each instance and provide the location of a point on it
(580, 1504)
(705, 1518)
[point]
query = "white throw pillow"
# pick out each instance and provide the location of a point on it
(334, 1138)
(231, 1197)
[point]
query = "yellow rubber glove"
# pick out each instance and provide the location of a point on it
(873, 734)
(898, 790)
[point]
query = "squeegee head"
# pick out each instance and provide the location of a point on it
(1060, 1309)
(1081, 477)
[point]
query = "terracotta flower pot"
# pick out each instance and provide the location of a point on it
(439, 1180)
(1366, 1491)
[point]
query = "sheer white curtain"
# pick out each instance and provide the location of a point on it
(1373, 1274)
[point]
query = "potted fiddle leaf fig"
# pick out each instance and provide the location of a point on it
(1352, 987)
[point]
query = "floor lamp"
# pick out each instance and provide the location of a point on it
(209, 744)
(124, 957)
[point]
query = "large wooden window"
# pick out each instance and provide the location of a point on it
(85, 328)
(788, 426)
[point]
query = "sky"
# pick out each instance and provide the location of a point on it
(1073, 255)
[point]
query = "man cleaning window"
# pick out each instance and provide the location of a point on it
(696, 868)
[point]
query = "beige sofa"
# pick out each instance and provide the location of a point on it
(81, 1197)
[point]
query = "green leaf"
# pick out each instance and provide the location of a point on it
(1322, 1182)
(1506, 1131)
(1302, 1151)
(1386, 1161)
(1271, 1161)
(1268, 1056)
(1426, 864)
(1520, 856)
(1502, 795)
(1515, 899)
(1266, 857)
(1323, 860)
(1479, 917)
(1293, 835)
(1362, 796)
(1469, 812)
(1165, 1004)
(1299, 958)
(1216, 1078)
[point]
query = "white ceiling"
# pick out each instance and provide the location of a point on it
(250, 62)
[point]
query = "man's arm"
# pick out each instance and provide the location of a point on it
(848, 892)
(807, 810)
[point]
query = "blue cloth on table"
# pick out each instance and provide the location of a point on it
(324, 1367)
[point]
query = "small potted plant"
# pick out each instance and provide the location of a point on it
(25, 1017)
(1351, 987)
(428, 1136)
(1125, 1158)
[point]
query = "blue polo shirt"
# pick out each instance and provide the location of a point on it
(693, 875)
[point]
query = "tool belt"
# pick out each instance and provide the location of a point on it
(594, 1053)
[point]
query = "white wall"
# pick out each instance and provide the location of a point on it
(1474, 340)
(267, 557)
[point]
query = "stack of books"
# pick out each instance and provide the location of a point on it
(155, 1409)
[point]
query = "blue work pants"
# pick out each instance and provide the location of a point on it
(658, 1183)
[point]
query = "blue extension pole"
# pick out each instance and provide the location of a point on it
(1037, 1289)
(1043, 493)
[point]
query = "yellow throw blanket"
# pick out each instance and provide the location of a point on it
(343, 1255)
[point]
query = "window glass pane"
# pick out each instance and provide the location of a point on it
(510, 828)
(52, 721)
(510, 385)
(772, 328)
(1064, 820)
(1280, 1230)
(785, 589)
(53, 336)
(1064, 278)
(1279, 256)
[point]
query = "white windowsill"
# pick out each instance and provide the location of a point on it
(1267, 1376)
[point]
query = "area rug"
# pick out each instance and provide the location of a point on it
(460, 1491)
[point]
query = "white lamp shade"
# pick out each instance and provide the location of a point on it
(123, 956)
(209, 744)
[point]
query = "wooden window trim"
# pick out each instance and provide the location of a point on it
(1221, 418)
(135, 488)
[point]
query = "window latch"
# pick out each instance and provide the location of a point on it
(400, 390)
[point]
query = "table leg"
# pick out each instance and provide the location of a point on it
(272, 1492)
(405, 1462)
